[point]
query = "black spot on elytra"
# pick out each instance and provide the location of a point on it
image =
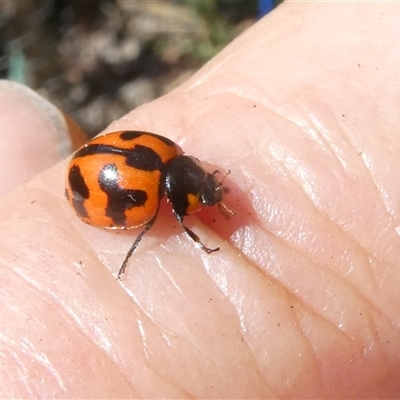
(93, 149)
(144, 158)
(118, 199)
(139, 157)
(130, 135)
(79, 190)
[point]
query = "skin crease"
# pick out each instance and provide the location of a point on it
(301, 301)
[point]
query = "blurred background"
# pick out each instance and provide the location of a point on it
(99, 59)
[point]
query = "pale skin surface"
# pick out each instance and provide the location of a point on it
(301, 301)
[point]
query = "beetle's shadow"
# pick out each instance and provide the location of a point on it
(221, 222)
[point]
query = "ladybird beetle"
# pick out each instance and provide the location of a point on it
(116, 181)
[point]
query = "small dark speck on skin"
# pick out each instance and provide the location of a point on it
(254, 105)
(214, 221)
(291, 306)
(33, 201)
(279, 324)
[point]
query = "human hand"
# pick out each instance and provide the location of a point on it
(301, 301)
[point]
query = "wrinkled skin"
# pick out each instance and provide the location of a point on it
(301, 301)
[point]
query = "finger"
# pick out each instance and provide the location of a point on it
(34, 135)
(292, 284)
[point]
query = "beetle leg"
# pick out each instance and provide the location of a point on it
(136, 244)
(223, 178)
(194, 237)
